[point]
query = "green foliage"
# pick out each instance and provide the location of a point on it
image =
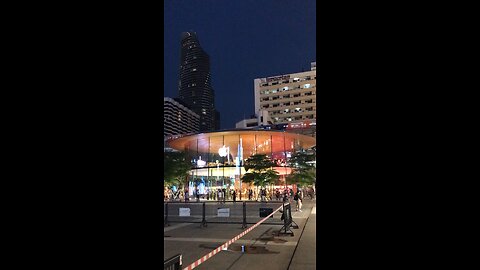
(176, 168)
(303, 173)
(259, 171)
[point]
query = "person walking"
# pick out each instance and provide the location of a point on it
(298, 199)
(250, 194)
(234, 195)
(219, 196)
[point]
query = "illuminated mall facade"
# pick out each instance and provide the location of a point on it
(218, 157)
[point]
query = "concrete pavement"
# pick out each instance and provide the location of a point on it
(305, 256)
(263, 249)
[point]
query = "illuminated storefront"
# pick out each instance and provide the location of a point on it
(218, 157)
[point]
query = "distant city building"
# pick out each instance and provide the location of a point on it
(288, 98)
(195, 82)
(178, 118)
(260, 119)
(247, 123)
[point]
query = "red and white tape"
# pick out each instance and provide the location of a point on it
(226, 244)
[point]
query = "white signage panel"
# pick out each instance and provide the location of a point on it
(223, 212)
(184, 212)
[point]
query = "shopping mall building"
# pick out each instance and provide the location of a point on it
(218, 157)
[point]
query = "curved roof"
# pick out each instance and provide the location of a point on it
(277, 143)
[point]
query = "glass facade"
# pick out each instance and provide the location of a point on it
(218, 157)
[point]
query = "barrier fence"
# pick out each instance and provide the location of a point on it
(175, 262)
(240, 212)
(225, 245)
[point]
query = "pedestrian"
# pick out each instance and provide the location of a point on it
(234, 196)
(197, 194)
(263, 194)
(186, 195)
(298, 199)
(219, 196)
(250, 194)
(224, 191)
(277, 194)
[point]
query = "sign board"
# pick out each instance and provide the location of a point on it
(264, 212)
(184, 212)
(223, 212)
(278, 78)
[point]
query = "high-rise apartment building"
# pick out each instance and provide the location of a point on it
(178, 118)
(288, 98)
(195, 82)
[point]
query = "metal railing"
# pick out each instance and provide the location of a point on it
(209, 212)
(173, 263)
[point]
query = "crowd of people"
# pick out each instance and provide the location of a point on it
(222, 194)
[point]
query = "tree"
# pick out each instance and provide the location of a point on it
(176, 168)
(259, 171)
(303, 172)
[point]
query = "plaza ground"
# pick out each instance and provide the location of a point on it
(263, 248)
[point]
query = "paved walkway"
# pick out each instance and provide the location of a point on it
(265, 251)
(305, 256)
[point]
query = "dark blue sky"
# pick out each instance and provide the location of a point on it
(245, 40)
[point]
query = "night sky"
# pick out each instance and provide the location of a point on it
(245, 40)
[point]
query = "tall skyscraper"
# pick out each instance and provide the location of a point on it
(195, 82)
